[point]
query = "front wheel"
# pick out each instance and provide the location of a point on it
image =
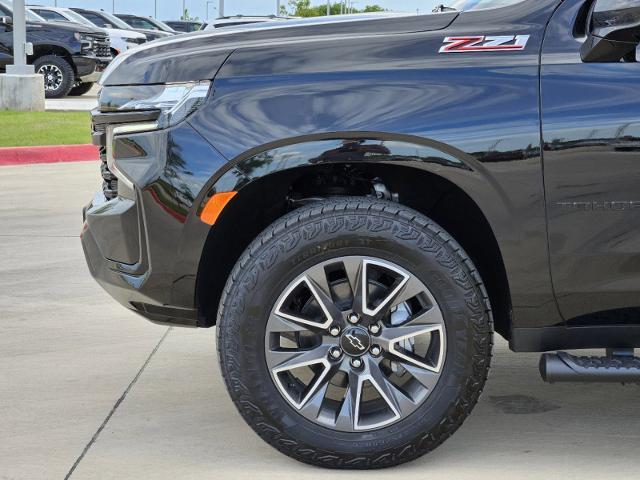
(58, 75)
(354, 333)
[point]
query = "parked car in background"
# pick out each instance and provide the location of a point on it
(121, 40)
(184, 26)
(71, 56)
(107, 20)
(146, 23)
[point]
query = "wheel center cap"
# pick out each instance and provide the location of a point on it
(355, 341)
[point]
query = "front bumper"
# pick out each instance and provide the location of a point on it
(90, 68)
(143, 244)
(128, 284)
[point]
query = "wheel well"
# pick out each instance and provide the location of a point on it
(263, 201)
(42, 50)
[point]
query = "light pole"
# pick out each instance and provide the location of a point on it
(209, 2)
(221, 8)
(277, 8)
(20, 66)
(21, 88)
(328, 7)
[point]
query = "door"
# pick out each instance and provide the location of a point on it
(591, 139)
(6, 41)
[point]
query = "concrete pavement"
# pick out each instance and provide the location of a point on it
(86, 383)
(85, 102)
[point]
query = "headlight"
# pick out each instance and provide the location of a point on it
(85, 40)
(175, 102)
(128, 154)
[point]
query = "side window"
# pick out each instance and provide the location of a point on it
(4, 13)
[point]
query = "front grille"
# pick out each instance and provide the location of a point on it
(101, 46)
(99, 124)
(109, 180)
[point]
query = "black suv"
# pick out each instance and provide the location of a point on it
(69, 55)
(358, 203)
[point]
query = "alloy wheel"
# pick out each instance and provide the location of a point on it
(53, 77)
(355, 343)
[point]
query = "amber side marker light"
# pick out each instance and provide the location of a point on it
(214, 207)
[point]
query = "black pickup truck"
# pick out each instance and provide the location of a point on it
(357, 203)
(71, 56)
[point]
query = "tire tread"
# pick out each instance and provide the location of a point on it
(450, 255)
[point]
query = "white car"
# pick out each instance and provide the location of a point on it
(121, 40)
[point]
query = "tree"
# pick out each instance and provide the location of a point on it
(186, 17)
(303, 8)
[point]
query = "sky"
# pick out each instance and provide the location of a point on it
(171, 9)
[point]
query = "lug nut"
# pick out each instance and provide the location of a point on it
(334, 331)
(335, 353)
(376, 350)
(356, 363)
(353, 318)
(375, 329)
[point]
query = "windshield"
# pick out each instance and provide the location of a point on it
(465, 5)
(161, 25)
(76, 17)
(145, 23)
(115, 21)
(32, 17)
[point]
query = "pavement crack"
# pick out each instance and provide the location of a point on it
(115, 406)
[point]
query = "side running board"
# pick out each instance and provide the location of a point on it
(619, 366)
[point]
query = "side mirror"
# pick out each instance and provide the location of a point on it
(614, 31)
(7, 22)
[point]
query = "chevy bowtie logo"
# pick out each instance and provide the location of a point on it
(355, 342)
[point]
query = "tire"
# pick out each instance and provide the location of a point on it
(352, 229)
(59, 75)
(81, 89)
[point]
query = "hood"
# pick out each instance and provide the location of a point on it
(153, 33)
(67, 26)
(199, 55)
(124, 33)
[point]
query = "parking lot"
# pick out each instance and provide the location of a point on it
(92, 390)
(86, 102)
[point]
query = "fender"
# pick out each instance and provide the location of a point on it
(279, 107)
(445, 161)
(297, 104)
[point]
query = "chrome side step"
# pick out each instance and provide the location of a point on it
(619, 366)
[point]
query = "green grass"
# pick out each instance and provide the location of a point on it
(28, 129)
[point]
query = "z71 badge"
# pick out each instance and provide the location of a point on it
(481, 43)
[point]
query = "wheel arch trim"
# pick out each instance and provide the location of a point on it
(434, 157)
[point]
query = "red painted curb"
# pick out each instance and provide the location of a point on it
(48, 154)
